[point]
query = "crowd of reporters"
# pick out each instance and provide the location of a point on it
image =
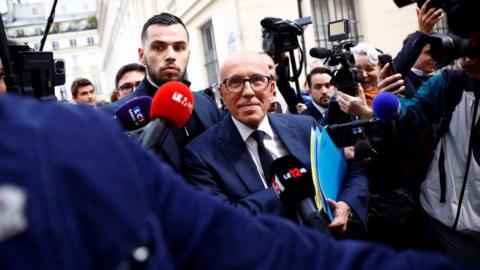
(390, 194)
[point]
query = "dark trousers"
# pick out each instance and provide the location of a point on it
(455, 244)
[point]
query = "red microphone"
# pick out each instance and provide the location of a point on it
(171, 108)
(173, 103)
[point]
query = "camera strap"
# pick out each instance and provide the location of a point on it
(456, 80)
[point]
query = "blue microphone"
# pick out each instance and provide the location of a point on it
(386, 106)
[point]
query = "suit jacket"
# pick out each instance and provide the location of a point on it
(315, 113)
(228, 172)
(205, 111)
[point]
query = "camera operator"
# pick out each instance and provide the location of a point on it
(366, 59)
(393, 214)
(450, 193)
(414, 60)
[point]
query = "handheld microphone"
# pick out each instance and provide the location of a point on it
(363, 151)
(171, 108)
(293, 185)
(135, 113)
(319, 53)
(386, 106)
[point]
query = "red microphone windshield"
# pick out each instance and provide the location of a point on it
(173, 103)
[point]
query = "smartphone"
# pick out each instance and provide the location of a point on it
(383, 59)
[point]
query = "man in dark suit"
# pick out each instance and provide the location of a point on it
(228, 160)
(165, 53)
(321, 91)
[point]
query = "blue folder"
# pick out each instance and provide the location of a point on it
(330, 168)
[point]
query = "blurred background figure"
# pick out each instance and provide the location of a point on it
(127, 80)
(83, 92)
(321, 91)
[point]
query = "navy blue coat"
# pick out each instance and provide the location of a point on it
(406, 58)
(315, 113)
(219, 161)
(205, 110)
(93, 196)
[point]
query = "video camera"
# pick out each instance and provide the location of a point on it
(37, 73)
(348, 75)
(28, 72)
(345, 78)
(464, 37)
(280, 35)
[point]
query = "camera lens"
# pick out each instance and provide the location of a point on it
(59, 66)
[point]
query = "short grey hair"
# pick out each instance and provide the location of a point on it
(368, 50)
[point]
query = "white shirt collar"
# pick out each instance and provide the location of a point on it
(151, 81)
(246, 131)
(419, 72)
(321, 109)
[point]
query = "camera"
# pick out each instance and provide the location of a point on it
(347, 76)
(280, 35)
(464, 37)
(37, 73)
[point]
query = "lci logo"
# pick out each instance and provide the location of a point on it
(137, 116)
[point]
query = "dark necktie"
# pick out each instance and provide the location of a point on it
(264, 155)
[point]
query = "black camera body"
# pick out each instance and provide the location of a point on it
(347, 76)
(280, 35)
(464, 25)
(37, 73)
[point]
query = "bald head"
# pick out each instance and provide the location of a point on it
(247, 88)
(244, 59)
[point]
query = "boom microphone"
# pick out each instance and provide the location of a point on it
(135, 113)
(386, 106)
(319, 53)
(171, 108)
(293, 185)
(353, 124)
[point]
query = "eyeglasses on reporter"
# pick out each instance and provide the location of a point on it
(128, 86)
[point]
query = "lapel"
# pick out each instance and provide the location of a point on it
(285, 130)
(236, 153)
(202, 110)
(312, 111)
(169, 147)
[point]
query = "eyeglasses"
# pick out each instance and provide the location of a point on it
(235, 84)
(128, 86)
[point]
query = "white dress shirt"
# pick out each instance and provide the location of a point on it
(321, 109)
(271, 141)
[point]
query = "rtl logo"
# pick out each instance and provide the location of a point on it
(183, 100)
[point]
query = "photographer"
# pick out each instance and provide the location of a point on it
(393, 189)
(366, 59)
(450, 193)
